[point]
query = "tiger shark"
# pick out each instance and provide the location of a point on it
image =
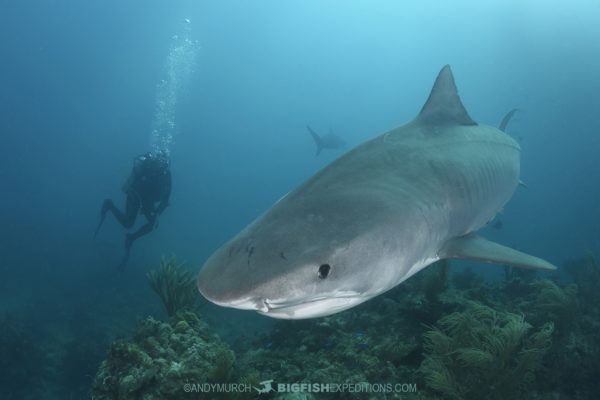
(374, 217)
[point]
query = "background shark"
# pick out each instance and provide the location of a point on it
(329, 141)
(374, 217)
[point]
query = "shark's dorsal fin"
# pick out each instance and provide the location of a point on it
(443, 105)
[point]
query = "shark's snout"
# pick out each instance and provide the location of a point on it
(228, 293)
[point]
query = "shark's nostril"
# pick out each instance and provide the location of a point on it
(324, 271)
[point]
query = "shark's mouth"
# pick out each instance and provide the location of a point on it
(300, 308)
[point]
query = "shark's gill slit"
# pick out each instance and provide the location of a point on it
(324, 270)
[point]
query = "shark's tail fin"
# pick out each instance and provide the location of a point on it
(317, 138)
(506, 119)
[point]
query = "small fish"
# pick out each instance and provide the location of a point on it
(364, 345)
(328, 344)
(269, 345)
(359, 334)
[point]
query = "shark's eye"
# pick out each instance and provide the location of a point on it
(324, 271)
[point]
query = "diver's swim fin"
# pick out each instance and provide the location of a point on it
(128, 242)
(106, 205)
(100, 224)
(121, 266)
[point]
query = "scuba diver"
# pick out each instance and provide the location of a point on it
(148, 184)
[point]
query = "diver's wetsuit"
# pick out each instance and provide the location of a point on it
(148, 184)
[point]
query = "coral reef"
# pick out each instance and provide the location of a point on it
(332, 350)
(161, 359)
(586, 274)
(480, 353)
(575, 364)
(474, 339)
(550, 302)
(435, 280)
(176, 287)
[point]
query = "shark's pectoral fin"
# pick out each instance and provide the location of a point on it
(474, 247)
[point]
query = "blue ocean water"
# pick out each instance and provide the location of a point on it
(228, 88)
